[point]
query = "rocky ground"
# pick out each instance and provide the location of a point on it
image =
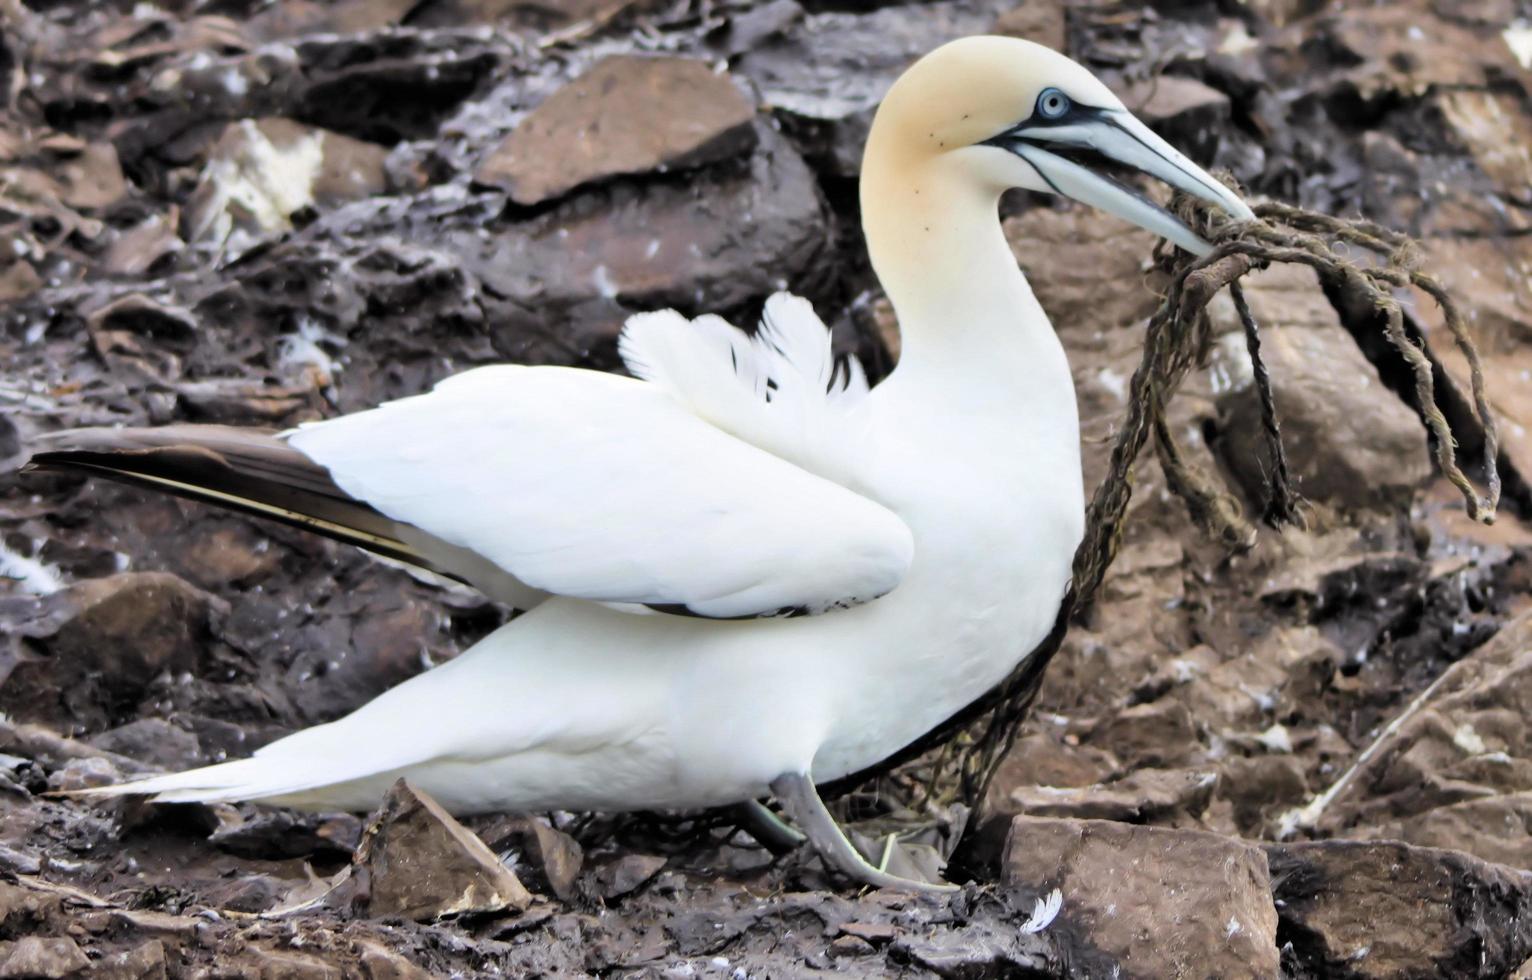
(1309, 759)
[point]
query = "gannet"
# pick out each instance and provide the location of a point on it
(743, 570)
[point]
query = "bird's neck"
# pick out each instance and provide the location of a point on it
(964, 307)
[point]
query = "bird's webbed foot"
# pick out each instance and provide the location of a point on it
(801, 802)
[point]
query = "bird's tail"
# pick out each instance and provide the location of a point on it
(227, 782)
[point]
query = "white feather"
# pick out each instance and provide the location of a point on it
(781, 390)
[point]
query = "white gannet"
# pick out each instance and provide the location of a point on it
(743, 570)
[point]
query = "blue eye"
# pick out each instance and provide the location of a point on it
(1052, 104)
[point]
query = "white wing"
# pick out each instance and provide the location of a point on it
(606, 488)
(782, 389)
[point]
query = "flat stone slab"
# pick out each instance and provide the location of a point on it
(627, 115)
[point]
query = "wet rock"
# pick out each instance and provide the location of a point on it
(251, 893)
(143, 962)
(825, 76)
(422, 864)
(625, 875)
(1386, 909)
(117, 635)
(555, 855)
(626, 115)
(1348, 443)
(1147, 901)
(1148, 795)
(273, 835)
(261, 172)
(154, 741)
(46, 959)
(142, 336)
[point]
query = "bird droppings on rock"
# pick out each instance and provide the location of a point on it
(422, 864)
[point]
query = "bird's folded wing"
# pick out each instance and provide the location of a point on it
(256, 471)
(610, 489)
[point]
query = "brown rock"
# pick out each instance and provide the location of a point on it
(718, 240)
(1386, 909)
(1188, 113)
(45, 959)
(626, 115)
(340, 17)
(136, 250)
(279, 964)
(1041, 759)
(1260, 787)
(1491, 280)
(380, 963)
(1149, 734)
(422, 864)
(90, 176)
(626, 874)
(555, 855)
(530, 13)
(142, 336)
(1148, 795)
(1497, 132)
(1036, 20)
(18, 281)
(114, 637)
(1349, 441)
(1147, 901)
(143, 962)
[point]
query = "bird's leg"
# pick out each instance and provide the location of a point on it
(888, 851)
(801, 802)
(769, 830)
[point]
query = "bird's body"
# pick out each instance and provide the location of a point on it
(575, 705)
(745, 572)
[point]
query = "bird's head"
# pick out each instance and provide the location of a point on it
(1010, 113)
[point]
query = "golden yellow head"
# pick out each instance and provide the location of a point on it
(1002, 112)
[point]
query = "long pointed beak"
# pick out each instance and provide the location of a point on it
(1115, 134)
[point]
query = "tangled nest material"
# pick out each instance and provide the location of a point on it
(956, 763)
